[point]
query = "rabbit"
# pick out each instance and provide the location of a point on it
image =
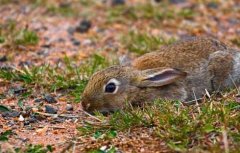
(181, 71)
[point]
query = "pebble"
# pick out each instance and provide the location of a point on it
(69, 107)
(38, 100)
(57, 120)
(118, 2)
(25, 63)
(21, 118)
(71, 30)
(3, 58)
(157, 1)
(87, 42)
(212, 5)
(11, 114)
(75, 42)
(32, 120)
(50, 109)
(18, 90)
(50, 99)
(177, 1)
(83, 26)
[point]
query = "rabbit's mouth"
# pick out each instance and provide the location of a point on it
(88, 107)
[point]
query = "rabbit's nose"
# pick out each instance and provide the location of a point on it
(85, 105)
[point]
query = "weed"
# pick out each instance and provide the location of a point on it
(35, 149)
(2, 40)
(26, 37)
(112, 149)
(4, 135)
(236, 41)
(12, 36)
(142, 43)
(147, 11)
(183, 127)
(53, 78)
(64, 10)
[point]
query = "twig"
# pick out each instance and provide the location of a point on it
(74, 147)
(207, 93)
(234, 83)
(199, 110)
(191, 101)
(225, 140)
(54, 127)
(68, 147)
(94, 117)
(58, 115)
(97, 123)
(10, 147)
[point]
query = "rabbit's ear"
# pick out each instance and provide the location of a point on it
(124, 60)
(159, 77)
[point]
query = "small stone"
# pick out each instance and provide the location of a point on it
(177, 1)
(61, 40)
(3, 58)
(87, 42)
(212, 5)
(69, 107)
(21, 118)
(50, 109)
(71, 30)
(50, 99)
(32, 120)
(83, 26)
(18, 90)
(76, 42)
(65, 5)
(103, 148)
(46, 45)
(25, 63)
(38, 100)
(118, 2)
(57, 120)
(11, 114)
(26, 123)
(157, 1)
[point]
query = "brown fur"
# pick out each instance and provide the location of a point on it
(207, 62)
(185, 54)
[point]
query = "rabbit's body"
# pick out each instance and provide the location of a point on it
(209, 64)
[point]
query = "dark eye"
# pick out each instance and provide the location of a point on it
(110, 88)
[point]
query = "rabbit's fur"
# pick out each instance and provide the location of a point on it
(181, 71)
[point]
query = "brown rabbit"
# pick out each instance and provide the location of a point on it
(181, 71)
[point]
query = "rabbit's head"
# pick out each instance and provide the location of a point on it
(109, 90)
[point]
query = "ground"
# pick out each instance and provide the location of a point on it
(49, 49)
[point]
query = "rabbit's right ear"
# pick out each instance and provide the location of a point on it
(124, 60)
(158, 77)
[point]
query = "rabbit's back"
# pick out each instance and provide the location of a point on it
(210, 64)
(185, 54)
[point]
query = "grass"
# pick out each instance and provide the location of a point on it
(142, 43)
(147, 11)
(12, 36)
(236, 41)
(54, 78)
(183, 128)
(64, 10)
(35, 149)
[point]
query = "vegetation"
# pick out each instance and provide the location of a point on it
(10, 35)
(63, 69)
(142, 43)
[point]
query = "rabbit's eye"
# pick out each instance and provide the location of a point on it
(110, 88)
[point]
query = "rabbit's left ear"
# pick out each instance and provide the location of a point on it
(158, 77)
(124, 60)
